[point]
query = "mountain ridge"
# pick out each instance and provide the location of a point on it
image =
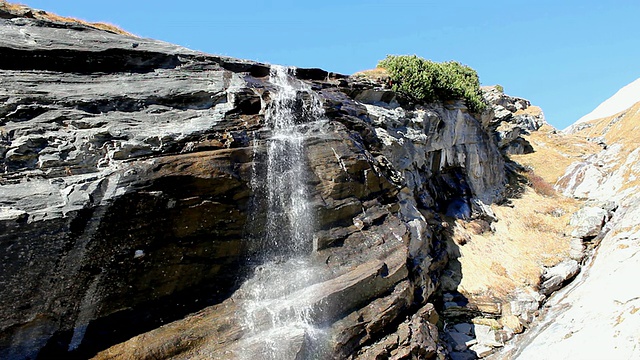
(623, 99)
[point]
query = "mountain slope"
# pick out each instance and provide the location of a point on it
(613, 172)
(603, 302)
(621, 100)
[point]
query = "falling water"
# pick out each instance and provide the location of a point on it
(277, 319)
(288, 227)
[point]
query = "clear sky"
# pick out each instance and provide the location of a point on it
(566, 56)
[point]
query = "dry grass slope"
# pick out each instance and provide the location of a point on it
(554, 152)
(622, 128)
(20, 10)
(528, 236)
(377, 75)
(531, 233)
(540, 185)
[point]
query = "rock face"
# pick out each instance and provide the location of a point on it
(588, 222)
(127, 196)
(125, 186)
(554, 277)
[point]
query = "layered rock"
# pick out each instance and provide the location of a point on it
(127, 199)
(125, 183)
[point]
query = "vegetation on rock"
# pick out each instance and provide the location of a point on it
(425, 81)
(19, 10)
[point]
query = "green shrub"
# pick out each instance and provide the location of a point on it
(500, 88)
(426, 81)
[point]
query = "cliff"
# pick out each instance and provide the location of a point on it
(130, 206)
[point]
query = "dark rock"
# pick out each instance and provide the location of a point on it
(464, 328)
(460, 341)
(456, 355)
(415, 338)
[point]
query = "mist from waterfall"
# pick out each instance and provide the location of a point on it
(277, 317)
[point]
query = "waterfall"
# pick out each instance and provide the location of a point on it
(289, 221)
(277, 319)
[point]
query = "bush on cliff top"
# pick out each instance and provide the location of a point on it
(426, 81)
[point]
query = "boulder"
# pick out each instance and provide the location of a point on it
(524, 305)
(459, 341)
(588, 222)
(415, 338)
(464, 328)
(555, 277)
(488, 336)
(512, 322)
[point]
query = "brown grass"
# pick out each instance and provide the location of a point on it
(531, 110)
(554, 152)
(378, 74)
(528, 236)
(622, 128)
(20, 10)
(540, 185)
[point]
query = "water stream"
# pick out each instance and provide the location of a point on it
(277, 316)
(289, 219)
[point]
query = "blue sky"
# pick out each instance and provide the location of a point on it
(566, 56)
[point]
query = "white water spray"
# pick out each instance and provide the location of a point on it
(277, 317)
(289, 222)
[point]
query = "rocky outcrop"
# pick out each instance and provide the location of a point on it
(127, 200)
(510, 118)
(588, 221)
(554, 277)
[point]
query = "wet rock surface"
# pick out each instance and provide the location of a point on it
(126, 199)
